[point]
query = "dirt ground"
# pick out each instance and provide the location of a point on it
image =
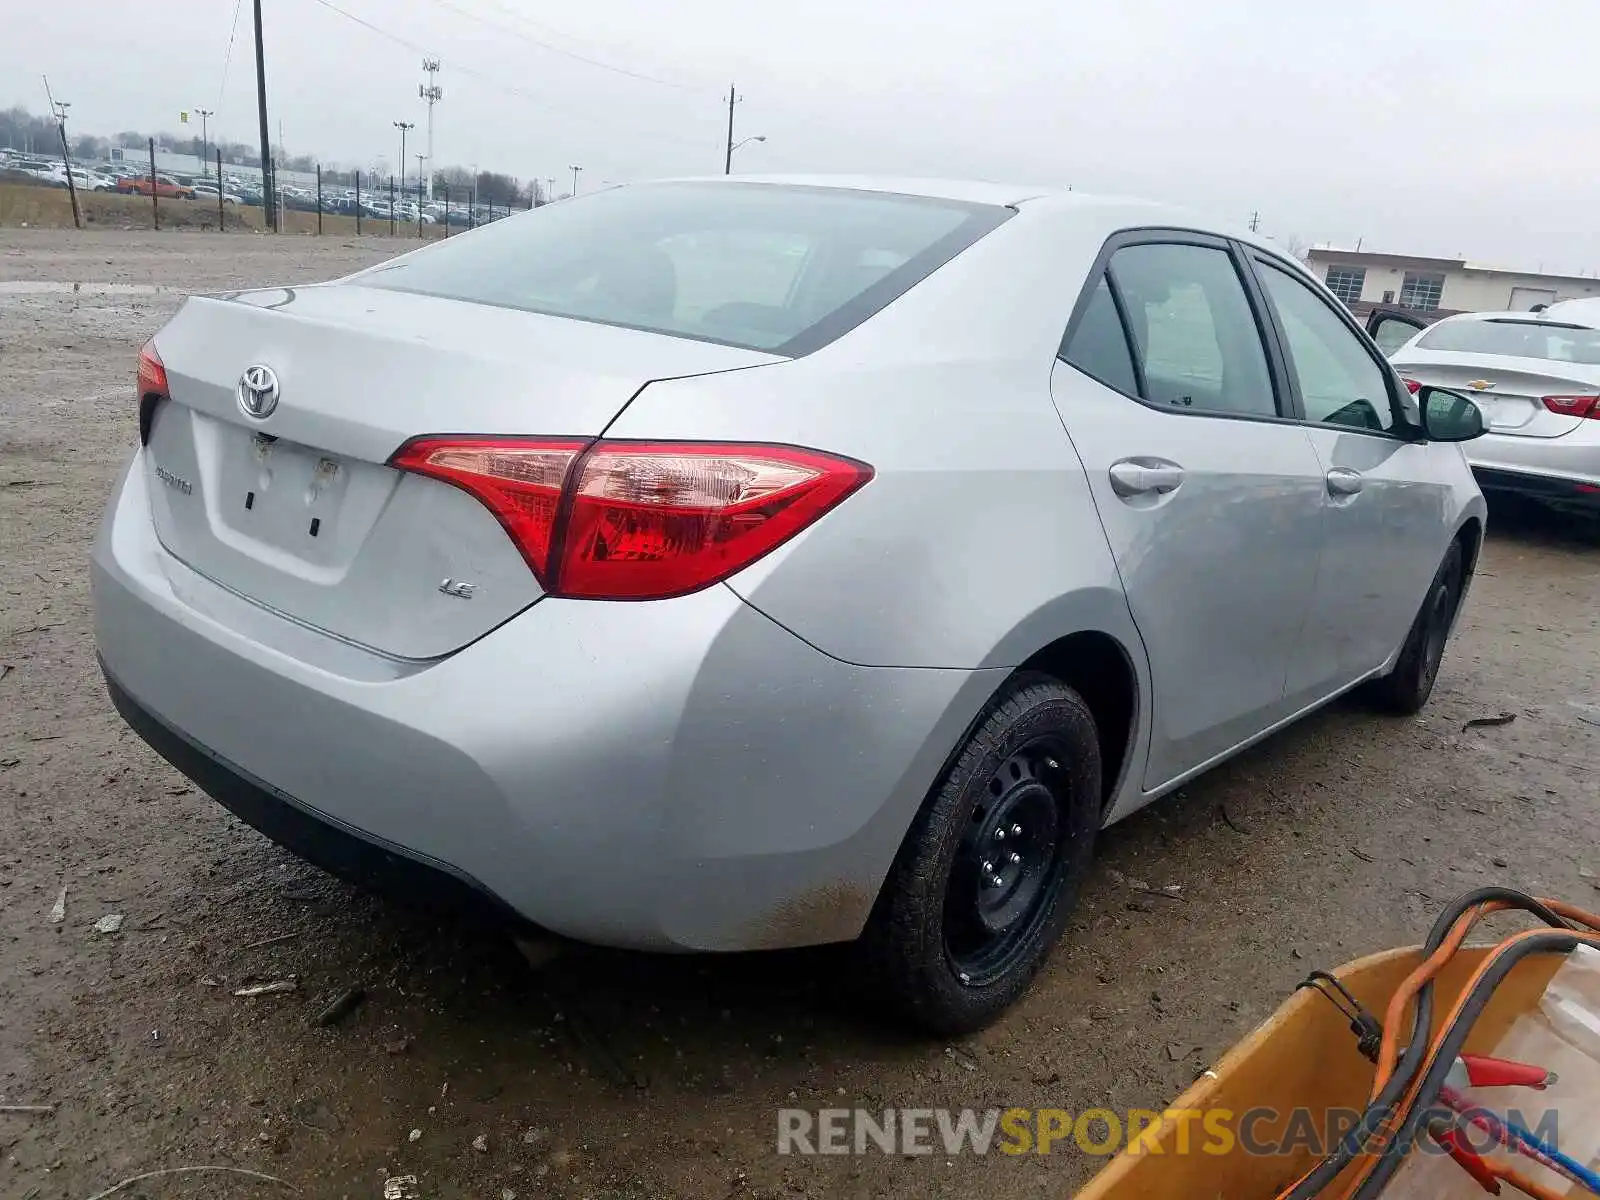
(620, 1077)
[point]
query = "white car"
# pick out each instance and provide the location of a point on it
(207, 191)
(1537, 378)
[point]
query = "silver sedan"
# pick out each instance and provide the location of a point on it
(720, 565)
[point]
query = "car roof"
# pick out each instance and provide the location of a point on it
(1565, 312)
(1109, 209)
(1576, 312)
(968, 191)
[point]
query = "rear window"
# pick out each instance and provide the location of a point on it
(1519, 339)
(761, 266)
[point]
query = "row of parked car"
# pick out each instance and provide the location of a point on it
(134, 180)
(113, 177)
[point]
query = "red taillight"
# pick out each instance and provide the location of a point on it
(152, 372)
(620, 520)
(1413, 385)
(656, 519)
(519, 480)
(1574, 406)
(152, 389)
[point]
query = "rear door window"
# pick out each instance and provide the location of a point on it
(1193, 330)
(1098, 345)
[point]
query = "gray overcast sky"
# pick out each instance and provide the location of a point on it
(1424, 126)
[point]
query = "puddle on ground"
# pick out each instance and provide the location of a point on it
(56, 288)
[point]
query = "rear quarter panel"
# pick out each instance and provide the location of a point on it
(976, 543)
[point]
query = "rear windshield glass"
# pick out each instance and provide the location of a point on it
(1520, 339)
(765, 267)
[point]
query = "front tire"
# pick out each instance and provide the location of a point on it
(1406, 689)
(989, 873)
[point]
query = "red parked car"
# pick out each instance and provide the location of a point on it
(165, 186)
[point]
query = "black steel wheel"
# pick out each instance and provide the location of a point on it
(1407, 688)
(989, 872)
(1007, 863)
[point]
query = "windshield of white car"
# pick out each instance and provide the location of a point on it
(1517, 339)
(760, 266)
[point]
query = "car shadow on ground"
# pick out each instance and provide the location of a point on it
(1516, 519)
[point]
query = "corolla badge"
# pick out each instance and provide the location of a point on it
(258, 392)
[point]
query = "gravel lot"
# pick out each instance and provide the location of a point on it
(609, 1075)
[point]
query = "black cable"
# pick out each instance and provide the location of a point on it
(1415, 1053)
(1366, 1027)
(1545, 942)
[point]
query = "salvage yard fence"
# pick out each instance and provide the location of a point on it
(368, 204)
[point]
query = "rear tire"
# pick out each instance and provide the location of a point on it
(1406, 689)
(989, 872)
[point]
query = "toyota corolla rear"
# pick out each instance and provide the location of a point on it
(377, 579)
(1537, 378)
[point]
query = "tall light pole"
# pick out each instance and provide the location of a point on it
(402, 126)
(432, 93)
(575, 171)
(205, 142)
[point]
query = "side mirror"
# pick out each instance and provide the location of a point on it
(1449, 416)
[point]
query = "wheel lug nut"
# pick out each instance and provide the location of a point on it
(999, 835)
(997, 881)
(1016, 831)
(988, 867)
(1015, 858)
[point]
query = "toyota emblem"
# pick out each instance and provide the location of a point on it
(258, 392)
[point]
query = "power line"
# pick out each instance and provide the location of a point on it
(543, 45)
(228, 57)
(522, 18)
(472, 73)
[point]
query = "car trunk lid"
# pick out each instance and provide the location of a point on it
(1510, 390)
(297, 509)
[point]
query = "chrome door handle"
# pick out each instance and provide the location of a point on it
(1133, 478)
(1342, 481)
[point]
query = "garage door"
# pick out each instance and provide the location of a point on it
(1524, 298)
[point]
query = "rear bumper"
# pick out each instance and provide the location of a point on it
(682, 774)
(1525, 463)
(352, 854)
(1552, 489)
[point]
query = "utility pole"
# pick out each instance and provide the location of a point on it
(1255, 221)
(575, 171)
(59, 111)
(432, 93)
(402, 126)
(267, 196)
(727, 162)
(205, 142)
